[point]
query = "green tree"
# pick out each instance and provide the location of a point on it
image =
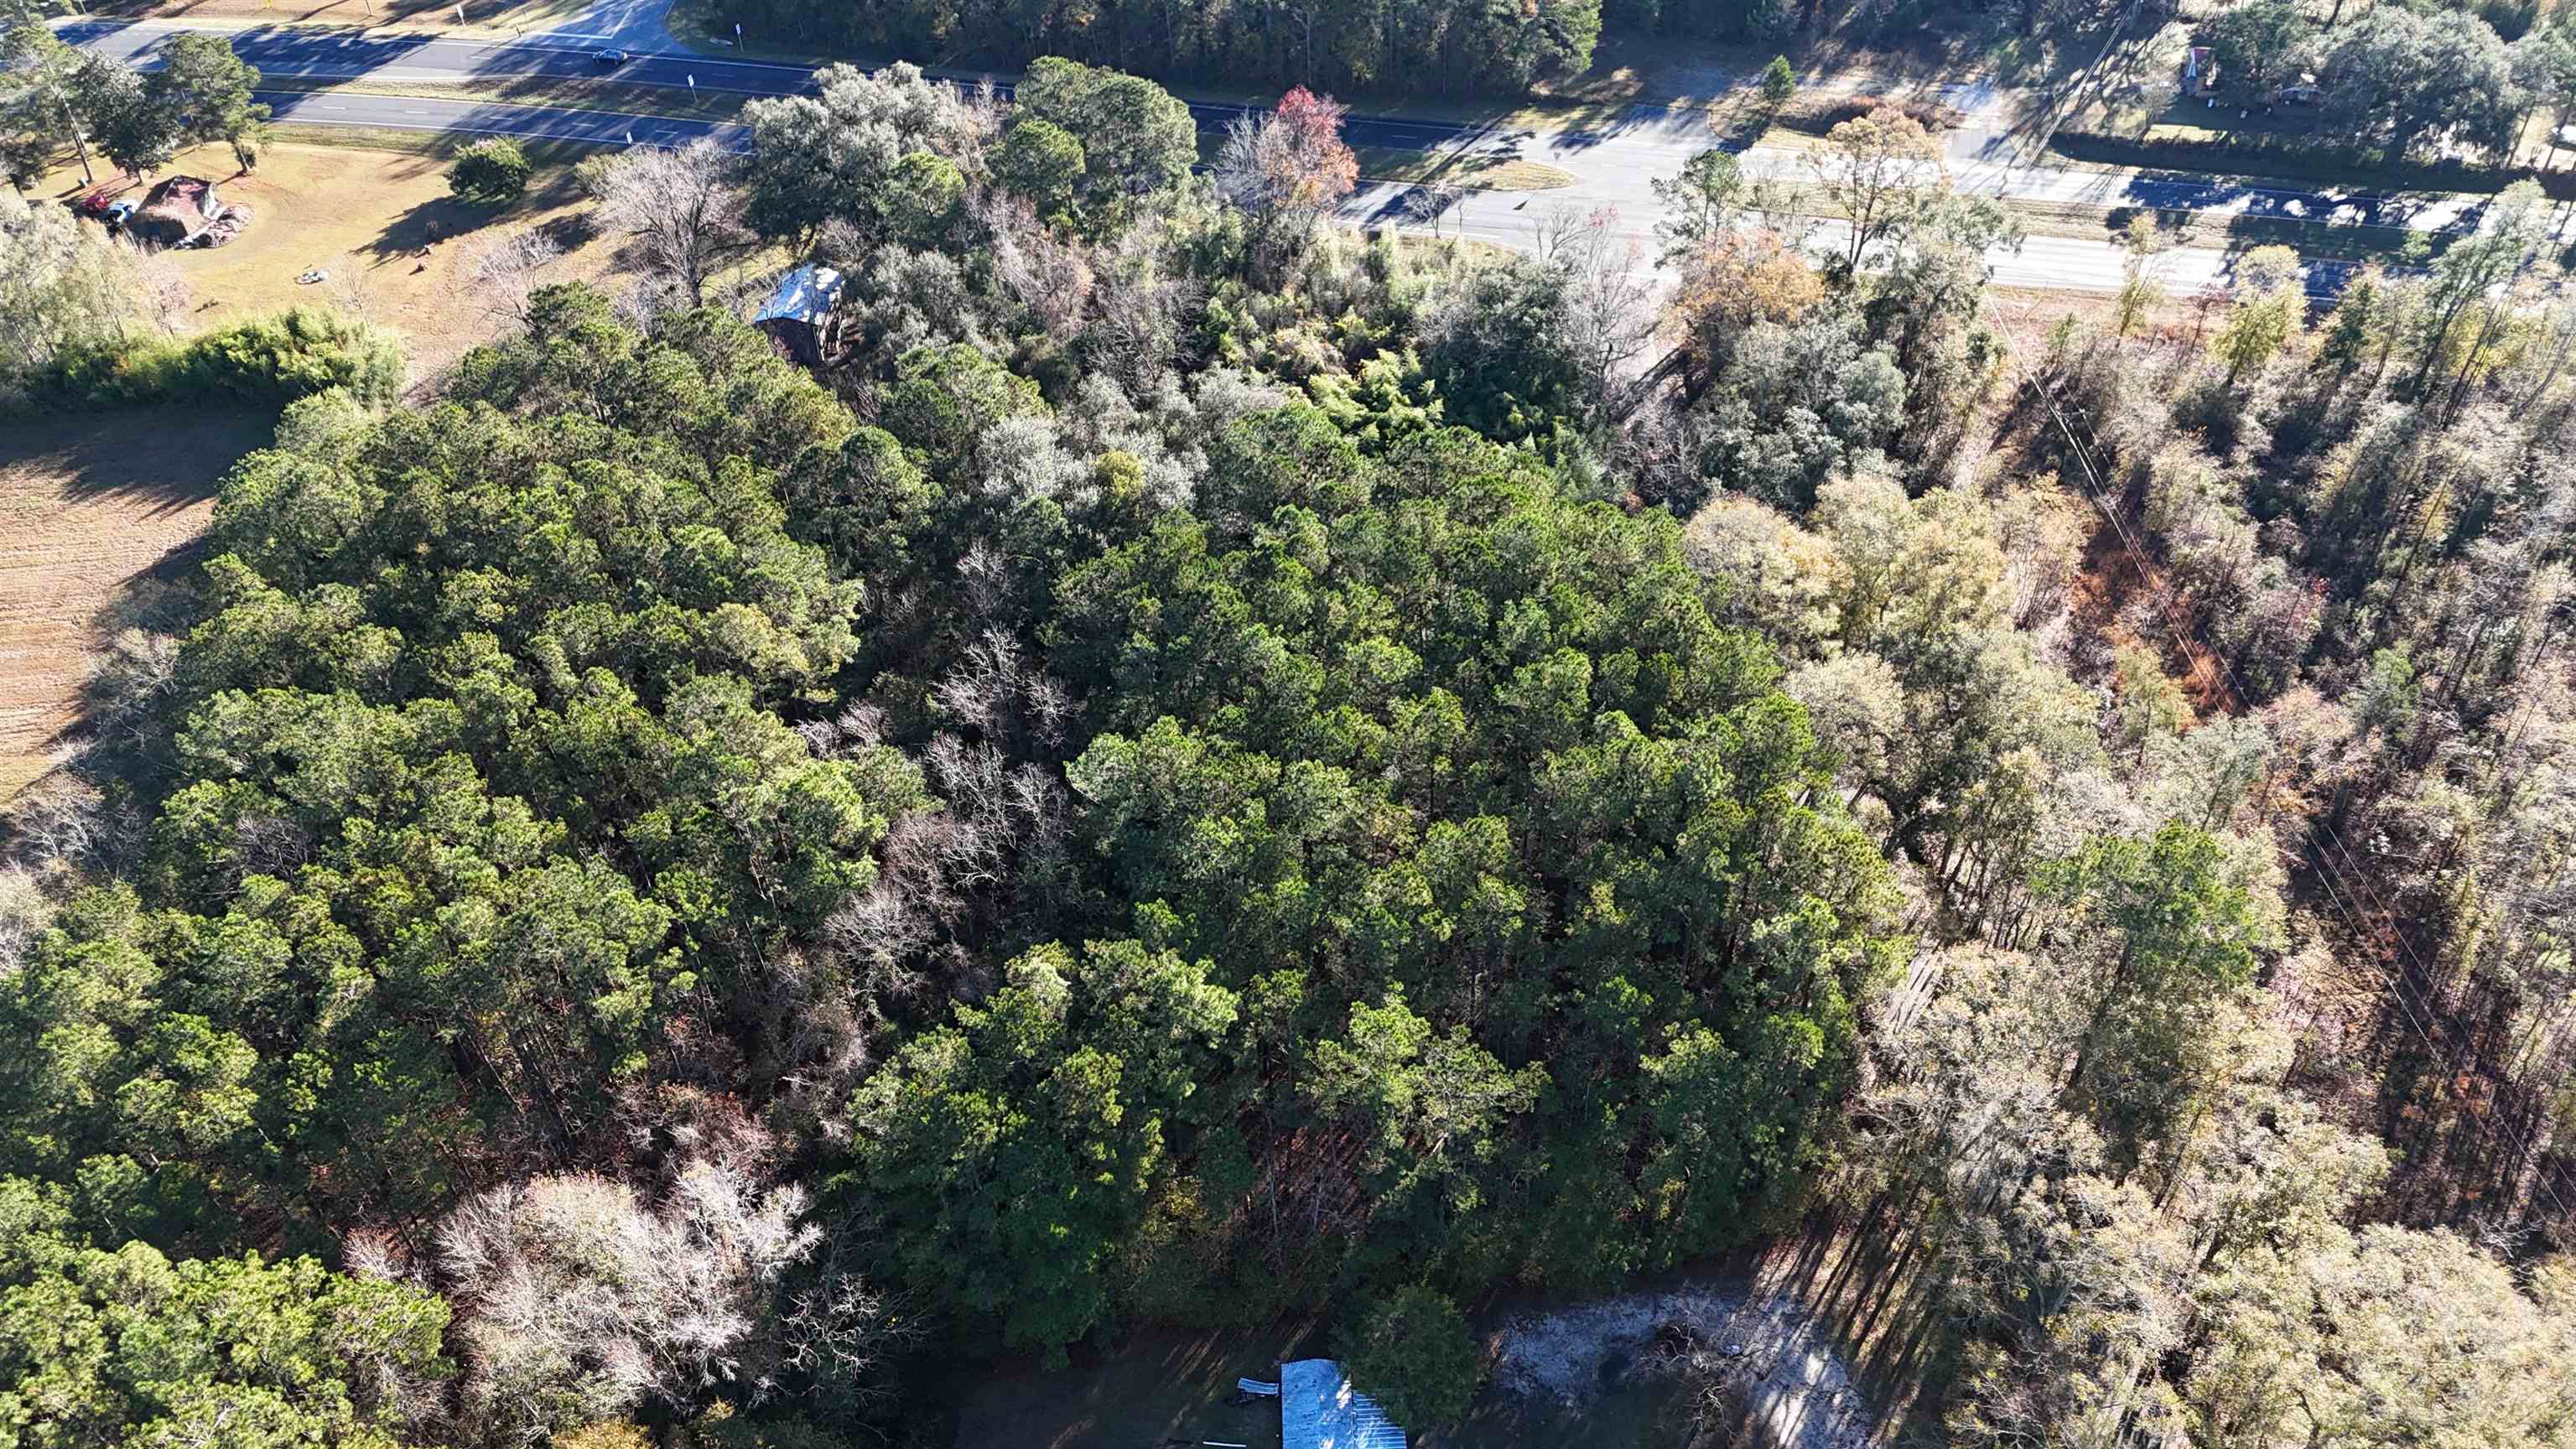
(1703, 204)
(2544, 65)
(1541, 783)
(1039, 161)
(205, 92)
(41, 103)
(2257, 42)
(927, 197)
(1500, 348)
(2412, 83)
(127, 1346)
(65, 291)
(2269, 304)
(2139, 289)
(1878, 171)
(1137, 140)
(945, 399)
(2179, 931)
(1015, 1151)
(490, 172)
(1432, 1106)
(622, 817)
(1779, 82)
(1412, 1352)
(2461, 315)
(836, 155)
(116, 102)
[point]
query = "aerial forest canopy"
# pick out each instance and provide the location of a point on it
(1458, 45)
(1202, 769)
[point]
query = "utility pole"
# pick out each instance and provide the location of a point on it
(23, 14)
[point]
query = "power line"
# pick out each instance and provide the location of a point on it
(2410, 1006)
(2235, 686)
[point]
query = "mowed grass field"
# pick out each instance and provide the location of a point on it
(92, 506)
(398, 248)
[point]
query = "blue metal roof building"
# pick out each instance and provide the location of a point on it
(1318, 1409)
(799, 313)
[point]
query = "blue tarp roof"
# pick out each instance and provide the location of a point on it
(1318, 1409)
(804, 295)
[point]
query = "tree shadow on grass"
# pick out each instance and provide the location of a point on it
(430, 223)
(156, 459)
(102, 514)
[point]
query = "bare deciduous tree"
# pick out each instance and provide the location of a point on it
(680, 211)
(1287, 168)
(1140, 309)
(1427, 203)
(1033, 266)
(128, 682)
(577, 1300)
(506, 269)
(1608, 300)
(25, 912)
(1877, 174)
(57, 821)
(163, 288)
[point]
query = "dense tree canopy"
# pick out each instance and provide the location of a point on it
(1200, 769)
(1462, 45)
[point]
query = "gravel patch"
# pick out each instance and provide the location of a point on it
(1793, 1384)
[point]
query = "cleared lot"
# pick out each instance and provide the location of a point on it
(397, 247)
(91, 507)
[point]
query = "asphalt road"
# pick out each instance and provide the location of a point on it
(410, 113)
(313, 53)
(1669, 136)
(1613, 168)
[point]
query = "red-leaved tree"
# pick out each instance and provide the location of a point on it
(1287, 168)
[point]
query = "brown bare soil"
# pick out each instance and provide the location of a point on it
(92, 506)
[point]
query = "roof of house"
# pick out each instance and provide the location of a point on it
(804, 295)
(1318, 1409)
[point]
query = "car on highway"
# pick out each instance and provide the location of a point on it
(609, 57)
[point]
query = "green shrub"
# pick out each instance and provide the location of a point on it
(489, 172)
(1820, 114)
(1779, 82)
(266, 361)
(2301, 158)
(1412, 1352)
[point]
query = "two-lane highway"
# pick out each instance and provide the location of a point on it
(1614, 168)
(491, 118)
(1659, 138)
(307, 52)
(312, 53)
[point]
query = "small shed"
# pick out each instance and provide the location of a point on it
(1318, 1409)
(2200, 69)
(799, 313)
(178, 212)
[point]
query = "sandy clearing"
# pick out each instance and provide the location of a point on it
(1799, 1393)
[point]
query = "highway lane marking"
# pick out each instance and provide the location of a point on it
(267, 33)
(512, 106)
(2231, 198)
(735, 145)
